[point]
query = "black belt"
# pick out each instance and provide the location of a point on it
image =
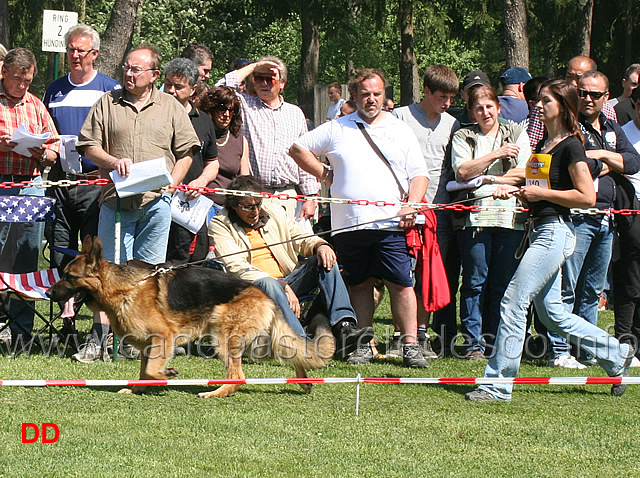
(539, 221)
(75, 177)
(284, 186)
(17, 178)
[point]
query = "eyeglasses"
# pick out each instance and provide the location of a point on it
(135, 70)
(270, 80)
(595, 95)
(80, 52)
(224, 109)
(250, 207)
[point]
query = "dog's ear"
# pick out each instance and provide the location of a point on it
(92, 249)
(87, 243)
(95, 254)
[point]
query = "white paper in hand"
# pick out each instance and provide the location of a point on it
(69, 157)
(190, 214)
(144, 176)
(26, 140)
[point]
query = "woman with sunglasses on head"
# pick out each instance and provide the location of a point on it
(558, 179)
(223, 106)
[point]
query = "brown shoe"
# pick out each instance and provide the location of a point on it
(475, 355)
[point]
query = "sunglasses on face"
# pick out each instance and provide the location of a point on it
(595, 95)
(224, 109)
(250, 207)
(270, 80)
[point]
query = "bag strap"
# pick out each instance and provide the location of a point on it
(382, 157)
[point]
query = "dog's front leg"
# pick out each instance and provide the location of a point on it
(138, 389)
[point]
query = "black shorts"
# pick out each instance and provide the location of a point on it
(373, 253)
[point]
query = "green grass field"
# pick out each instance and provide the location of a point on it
(276, 430)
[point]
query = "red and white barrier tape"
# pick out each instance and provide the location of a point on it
(280, 381)
(318, 199)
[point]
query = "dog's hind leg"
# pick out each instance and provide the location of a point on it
(231, 356)
(302, 373)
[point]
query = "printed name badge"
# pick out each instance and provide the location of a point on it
(537, 170)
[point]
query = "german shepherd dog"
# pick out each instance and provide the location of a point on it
(156, 312)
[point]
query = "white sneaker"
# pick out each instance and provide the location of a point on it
(635, 363)
(566, 361)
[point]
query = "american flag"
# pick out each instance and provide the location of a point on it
(32, 284)
(27, 209)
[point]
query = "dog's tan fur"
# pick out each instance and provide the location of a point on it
(138, 308)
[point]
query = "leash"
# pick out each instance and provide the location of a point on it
(163, 270)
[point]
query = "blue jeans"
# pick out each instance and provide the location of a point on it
(585, 272)
(144, 232)
(488, 263)
(19, 252)
(538, 278)
(303, 280)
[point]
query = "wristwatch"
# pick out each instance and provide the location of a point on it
(327, 170)
(492, 179)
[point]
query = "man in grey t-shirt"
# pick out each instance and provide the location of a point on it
(434, 127)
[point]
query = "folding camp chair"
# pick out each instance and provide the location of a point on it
(26, 287)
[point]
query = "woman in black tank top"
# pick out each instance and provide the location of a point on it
(538, 277)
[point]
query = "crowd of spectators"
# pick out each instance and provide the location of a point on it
(241, 133)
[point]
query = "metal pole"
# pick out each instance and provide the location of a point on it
(116, 259)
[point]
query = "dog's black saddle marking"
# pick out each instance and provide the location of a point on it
(197, 287)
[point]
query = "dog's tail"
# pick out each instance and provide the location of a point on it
(302, 353)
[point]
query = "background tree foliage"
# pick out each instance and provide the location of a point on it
(465, 34)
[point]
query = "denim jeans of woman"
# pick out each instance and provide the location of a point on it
(539, 279)
(488, 263)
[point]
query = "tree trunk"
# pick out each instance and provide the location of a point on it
(628, 34)
(310, 54)
(116, 39)
(5, 37)
(409, 81)
(585, 29)
(516, 37)
(82, 15)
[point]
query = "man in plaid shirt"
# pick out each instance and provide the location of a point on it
(20, 242)
(271, 125)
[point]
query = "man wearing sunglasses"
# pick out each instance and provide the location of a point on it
(259, 243)
(609, 152)
(271, 125)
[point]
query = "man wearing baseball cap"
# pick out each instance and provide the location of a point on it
(513, 104)
(473, 78)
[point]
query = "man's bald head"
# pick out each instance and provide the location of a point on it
(578, 66)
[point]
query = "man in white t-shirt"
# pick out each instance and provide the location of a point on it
(375, 246)
(335, 96)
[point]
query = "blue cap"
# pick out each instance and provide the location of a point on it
(515, 75)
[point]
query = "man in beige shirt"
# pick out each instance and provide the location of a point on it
(132, 125)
